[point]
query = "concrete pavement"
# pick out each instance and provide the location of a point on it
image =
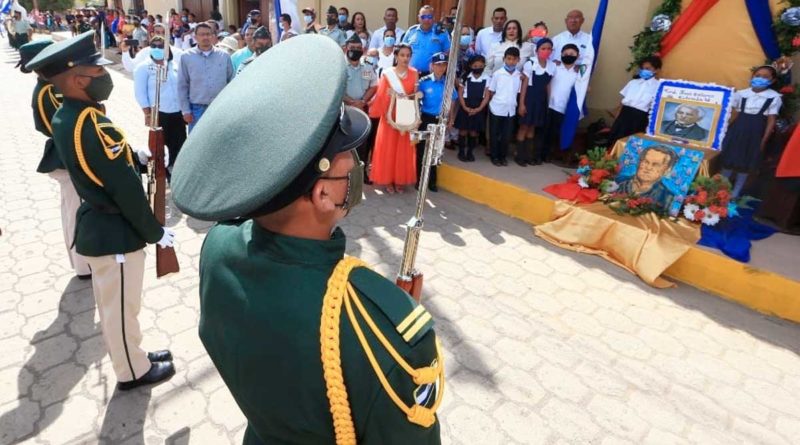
(542, 345)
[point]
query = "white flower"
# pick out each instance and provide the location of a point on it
(689, 210)
(582, 182)
(610, 187)
(711, 218)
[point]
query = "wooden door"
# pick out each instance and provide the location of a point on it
(473, 16)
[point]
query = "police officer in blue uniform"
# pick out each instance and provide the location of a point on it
(432, 88)
(426, 39)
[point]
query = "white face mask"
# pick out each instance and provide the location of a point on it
(308, 19)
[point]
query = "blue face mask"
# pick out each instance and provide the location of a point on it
(466, 40)
(389, 41)
(510, 68)
(342, 19)
(760, 82)
(157, 53)
(646, 74)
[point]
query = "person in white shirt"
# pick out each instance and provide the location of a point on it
(169, 109)
(510, 37)
(537, 72)
(287, 32)
(503, 89)
(755, 113)
(130, 63)
(488, 37)
(565, 77)
(637, 98)
(386, 51)
(390, 20)
(575, 36)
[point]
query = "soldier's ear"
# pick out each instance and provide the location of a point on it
(321, 198)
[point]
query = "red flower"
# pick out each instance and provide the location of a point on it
(584, 161)
(698, 215)
(723, 212)
(788, 89)
(723, 195)
(702, 197)
(633, 203)
(796, 41)
(617, 168)
(597, 176)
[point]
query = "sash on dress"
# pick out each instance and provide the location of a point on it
(406, 116)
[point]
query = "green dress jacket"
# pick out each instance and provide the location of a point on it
(115, 216)
(261, 299)
(45, 103)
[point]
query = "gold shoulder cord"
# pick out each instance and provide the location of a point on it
(47, 90)
(341, 291)
(105, 139)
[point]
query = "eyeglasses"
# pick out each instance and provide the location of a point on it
(426, 17)
(152, 45)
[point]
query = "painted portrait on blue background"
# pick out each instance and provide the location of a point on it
(691, 113)
(658, 170)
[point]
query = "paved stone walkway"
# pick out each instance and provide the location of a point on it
(542, 345)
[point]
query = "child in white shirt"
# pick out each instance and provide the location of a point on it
(565, 77)
(637, 98)
(503, 89)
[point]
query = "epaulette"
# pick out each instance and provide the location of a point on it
(428, 77)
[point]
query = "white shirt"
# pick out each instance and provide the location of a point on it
(288, 34)
(582, 40)
(532, 66)
(640, 93)
(495, 59)
(756, 100)
(485, 40)
(472, 79)
(561, 86)
(505, 87)
(376, 41)
(384, 61)
(143, 55)
(144, 87)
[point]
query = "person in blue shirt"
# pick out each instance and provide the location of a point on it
(426, 39)
(432, 87)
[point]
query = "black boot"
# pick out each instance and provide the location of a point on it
(462, 150)
(472, 142)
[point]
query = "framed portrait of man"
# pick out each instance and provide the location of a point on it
(651, 168)
(691, 113)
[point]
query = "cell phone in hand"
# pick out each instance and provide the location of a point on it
(134, 43)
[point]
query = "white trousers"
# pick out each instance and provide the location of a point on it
(117, 286)
(70, 201)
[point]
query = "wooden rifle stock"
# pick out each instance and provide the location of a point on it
(166, 260)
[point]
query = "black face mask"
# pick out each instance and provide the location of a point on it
(253, 20)
(354, 54)
(477, 71)
(333, 21)
(569, 60)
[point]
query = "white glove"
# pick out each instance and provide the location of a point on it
(144, 156)
(167, 239)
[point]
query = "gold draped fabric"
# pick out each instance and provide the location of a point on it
(644, 245)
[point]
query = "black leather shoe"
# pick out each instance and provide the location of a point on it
(503, 162)
(159, 372)
(433, 188)
(88, 276)
(160, 356)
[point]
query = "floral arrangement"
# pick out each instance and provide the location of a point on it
(648, 42)
(597, 170)
(629, 204)
(711, 201)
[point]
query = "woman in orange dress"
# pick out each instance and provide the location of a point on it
(394, 158)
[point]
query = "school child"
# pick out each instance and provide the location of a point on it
(502, 92)
(755, 112)
(637, 98)
(472, 101)
(537, 71)
(564, 79)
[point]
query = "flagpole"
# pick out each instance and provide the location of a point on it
(103, 39)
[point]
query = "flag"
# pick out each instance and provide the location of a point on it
(5, 6)
(574, 111)
(286, 7)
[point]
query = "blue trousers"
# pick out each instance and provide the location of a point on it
(197, 113)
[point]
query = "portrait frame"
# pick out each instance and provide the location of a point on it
(714, 105)
(679, 178)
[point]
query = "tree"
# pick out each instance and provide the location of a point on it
(46, 5)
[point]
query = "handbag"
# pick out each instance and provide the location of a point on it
(403, 113)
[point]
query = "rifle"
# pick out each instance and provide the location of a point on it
(409, 278)
(166, 261)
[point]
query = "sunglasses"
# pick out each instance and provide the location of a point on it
(426, 17)
(153, 45)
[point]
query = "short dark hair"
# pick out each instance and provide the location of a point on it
(652, 60)
(393, 31)
(500, 9)
(203, 25)
(570, 46)
(673, 157)
(511, 51)
(391, 8)
(287, 18)
(541, 23)
(401, 46)
(345, 9)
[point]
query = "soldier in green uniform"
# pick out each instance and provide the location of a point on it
(114, 222)
(314, 346)
(44, 103)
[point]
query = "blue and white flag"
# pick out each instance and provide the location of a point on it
(576, 106)
(286, 7)
(5, 6)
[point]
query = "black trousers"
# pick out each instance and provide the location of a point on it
(500, 129)
(365, 150)
(426, 119)
(174, 134)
